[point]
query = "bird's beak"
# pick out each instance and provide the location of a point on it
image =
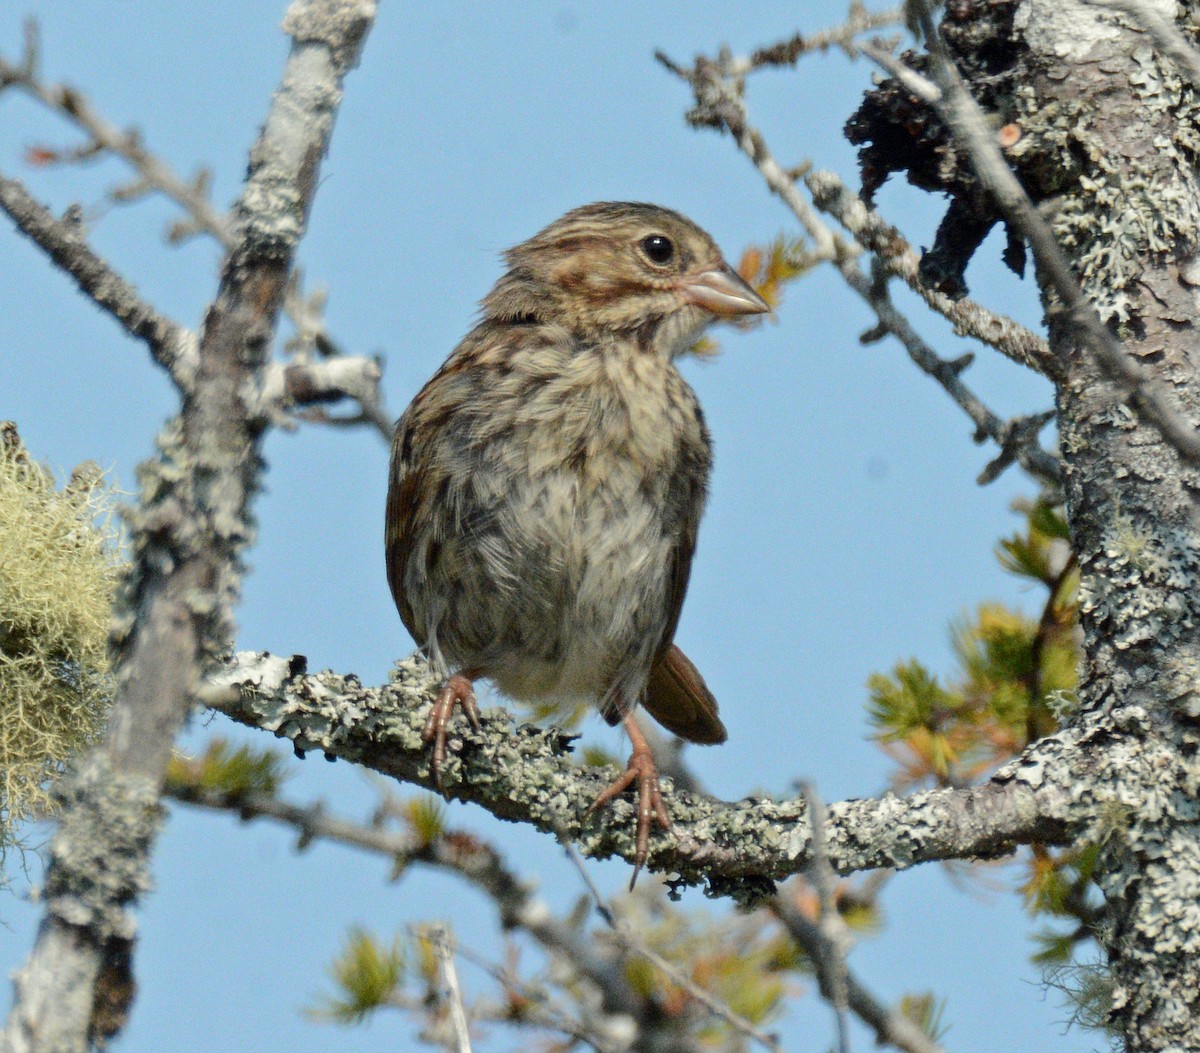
(724, 292)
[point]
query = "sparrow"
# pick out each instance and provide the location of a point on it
(547, 484)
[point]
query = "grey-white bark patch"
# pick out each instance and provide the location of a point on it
(1067, 29)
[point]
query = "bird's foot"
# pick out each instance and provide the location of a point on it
(458, 690)
(642, 771)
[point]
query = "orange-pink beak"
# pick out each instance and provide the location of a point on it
(723, 292)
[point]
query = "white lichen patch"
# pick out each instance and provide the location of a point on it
(1068, 29)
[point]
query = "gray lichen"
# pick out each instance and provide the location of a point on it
(525, 773)
(100, 849)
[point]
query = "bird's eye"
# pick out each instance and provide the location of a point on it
(658, 249)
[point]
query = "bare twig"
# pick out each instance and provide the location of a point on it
(287, 385)
(966, 121)
(968, 317)
(173, 347)
(1017, 439)
(537, 1008)
(633, 943)
(443, 948)
(788, 52)
(155, 175)
(127, 144)
(889, 1026)
(469, 857)
(830, 959)
(719, 104)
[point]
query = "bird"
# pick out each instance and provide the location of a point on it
(546, 485)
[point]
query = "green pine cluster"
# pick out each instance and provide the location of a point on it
(1015, 682)
(1016, 674)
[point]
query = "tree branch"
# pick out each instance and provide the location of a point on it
(719, 104)
(1143, 393)
(175, 612)
(525, 774)
(477, 862)
(968, 317)
(154, 174)
(103, 135)
(173, 347)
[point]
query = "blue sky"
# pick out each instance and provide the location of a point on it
(844, 531)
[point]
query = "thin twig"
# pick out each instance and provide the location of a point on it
(968, 317)
(719, 104)
(537, 1007)
(155, 175)
(103, 135)
(889, 1025)
(788, 52)
(1015, 441)
(172, 347)
(631, 942)
(830, 960)
(967, 123)
(442, 947)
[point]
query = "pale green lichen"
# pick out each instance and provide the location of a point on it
(1115, 209)
(58, 566)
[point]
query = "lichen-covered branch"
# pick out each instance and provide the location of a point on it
(193, 522)
(290, 386)
(1157, 20)
(526, 774)
(173, 347)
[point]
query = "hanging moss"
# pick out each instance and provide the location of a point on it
(59, 560)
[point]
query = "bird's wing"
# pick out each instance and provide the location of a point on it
(404, 510)
(676, 695)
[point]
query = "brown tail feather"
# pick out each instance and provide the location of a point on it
(678, 698)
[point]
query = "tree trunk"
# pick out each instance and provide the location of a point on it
(1115, 126)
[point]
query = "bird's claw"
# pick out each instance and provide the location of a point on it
(456, 691)
(642, 771)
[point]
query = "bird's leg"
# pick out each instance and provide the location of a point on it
(642, 770)
(458, 690)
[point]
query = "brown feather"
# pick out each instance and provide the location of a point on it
(679, 699)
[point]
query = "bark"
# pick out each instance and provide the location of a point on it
(1130, 220)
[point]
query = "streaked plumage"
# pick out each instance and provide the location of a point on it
(547, 484)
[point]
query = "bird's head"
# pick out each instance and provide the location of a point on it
(615, 269)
